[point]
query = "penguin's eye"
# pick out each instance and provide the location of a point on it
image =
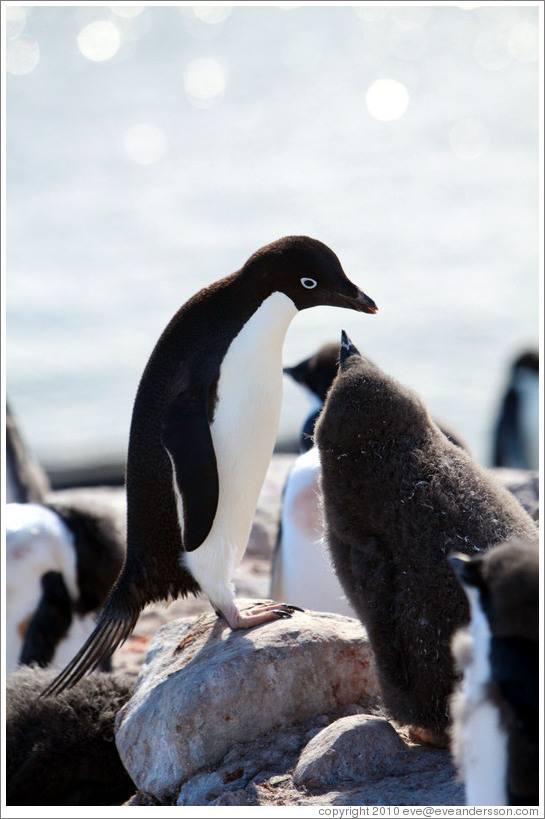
(308, 283)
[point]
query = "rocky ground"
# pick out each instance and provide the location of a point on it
(270, 768)
(290, 716)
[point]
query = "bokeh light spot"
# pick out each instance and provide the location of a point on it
(22, 55)
(205, 22)
(144, 143)
(127, 11)
(204, 81)
(211, 14)
(410, 17)
(387, 100)
(99, 41)
(469, 139)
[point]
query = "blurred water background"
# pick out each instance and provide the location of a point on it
(151, 149)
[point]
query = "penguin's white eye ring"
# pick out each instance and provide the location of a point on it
(310, 284)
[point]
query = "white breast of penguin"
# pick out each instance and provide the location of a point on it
(244, 428)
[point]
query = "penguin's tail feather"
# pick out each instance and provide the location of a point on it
(111, 631)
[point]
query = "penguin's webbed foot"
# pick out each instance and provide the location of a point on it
(257, 614)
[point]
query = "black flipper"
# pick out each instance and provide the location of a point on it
(186, 437)
(112, 630)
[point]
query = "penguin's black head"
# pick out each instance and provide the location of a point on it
(528, 362)
(309, 273)
(506, 578)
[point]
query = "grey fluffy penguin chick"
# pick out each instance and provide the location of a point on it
(398, 498)
(495, 708)
(62, 751)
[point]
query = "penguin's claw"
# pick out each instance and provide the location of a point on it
(284, 606)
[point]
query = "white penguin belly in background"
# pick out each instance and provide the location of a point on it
(302, 571)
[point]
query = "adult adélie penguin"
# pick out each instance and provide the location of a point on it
(203, 430)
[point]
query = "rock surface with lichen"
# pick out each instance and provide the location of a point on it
(205, 688)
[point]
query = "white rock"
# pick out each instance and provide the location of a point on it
(201, 789)
(204, 688)
(354, 749)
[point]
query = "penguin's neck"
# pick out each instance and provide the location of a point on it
(263, 333)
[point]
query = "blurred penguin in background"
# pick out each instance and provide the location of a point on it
(61, 561)
(26, 481)
(315, 374)
(301, 567)
(62, 557)
(516, 434)
(495, 709)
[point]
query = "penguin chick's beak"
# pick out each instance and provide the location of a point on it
(359, 302)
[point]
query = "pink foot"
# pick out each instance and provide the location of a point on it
(257, 614)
